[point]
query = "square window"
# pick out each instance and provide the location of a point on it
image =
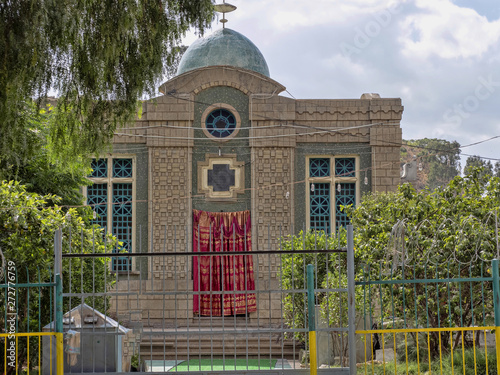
(319, 167)
(345, 167)
(122, 168)
(99, 168)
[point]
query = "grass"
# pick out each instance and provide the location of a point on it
(459, 363)
(224, 364)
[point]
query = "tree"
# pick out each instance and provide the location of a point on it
(496, 169)
(293, 273)
(438, 161)
(476, 162)
(334, 310)
(330, 273)
(99, 56)
(36, 166)
(178, 52)
(27, 240)
(410, 234)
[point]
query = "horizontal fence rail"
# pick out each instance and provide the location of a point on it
(26, 306)
(180, 307)
(428, 319)
(23, 351)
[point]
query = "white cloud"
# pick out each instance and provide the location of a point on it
(284, 16)
(448, 31)
(431, 53)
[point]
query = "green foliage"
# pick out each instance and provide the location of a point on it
(177, 53)
(450, 229)
(36, 165)
(100, 57)
(471, 363)
(27, 225)
(487, 168)
(440, 161)
(293, 274)
(462, 364)
(450, 223)
(137, 365)
(334, 310)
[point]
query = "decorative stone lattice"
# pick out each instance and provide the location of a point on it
(170, 193)
(273, 211)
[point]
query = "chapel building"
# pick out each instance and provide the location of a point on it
(222, 161)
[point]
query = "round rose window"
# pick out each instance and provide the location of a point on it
(220, 123)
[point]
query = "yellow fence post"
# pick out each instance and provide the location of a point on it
(312, 325)
(59, 353)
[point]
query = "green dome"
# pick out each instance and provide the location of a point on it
(223, 47)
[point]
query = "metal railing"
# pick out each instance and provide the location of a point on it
(26, 307)
(422, 319)
(161, 329)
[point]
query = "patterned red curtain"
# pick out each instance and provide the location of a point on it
(226, 232)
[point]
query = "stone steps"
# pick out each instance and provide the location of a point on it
(158, 345)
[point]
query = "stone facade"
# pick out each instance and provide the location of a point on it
(276, 135)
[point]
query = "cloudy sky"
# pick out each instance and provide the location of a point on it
(442, 57)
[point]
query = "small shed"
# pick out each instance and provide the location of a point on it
(93, 342)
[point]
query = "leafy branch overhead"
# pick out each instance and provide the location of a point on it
(99, 57)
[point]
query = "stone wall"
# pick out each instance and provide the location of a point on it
(273, 214)
(282, 131)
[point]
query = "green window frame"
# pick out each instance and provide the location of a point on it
(111, 197)
(332, 182)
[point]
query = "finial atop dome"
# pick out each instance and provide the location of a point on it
(224, 8)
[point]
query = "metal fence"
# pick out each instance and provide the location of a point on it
(176, 310)
(430, 318)
(26, 304)
(162, 315)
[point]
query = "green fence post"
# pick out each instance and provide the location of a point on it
(59, 304)
(351, 297)
(496, 305)
(312, 323)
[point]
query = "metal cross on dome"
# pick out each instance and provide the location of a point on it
(224, 8)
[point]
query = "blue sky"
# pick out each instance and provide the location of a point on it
(488, 8)
(441, 57)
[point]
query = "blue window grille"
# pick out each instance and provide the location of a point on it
(122, 168)
(220, 123)
(97, 198)
(345, 167)
(99, 168)
(320, 207)
(319, 167)
(346, 197)
(122, 224)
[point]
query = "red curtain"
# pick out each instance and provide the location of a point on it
(223, 232)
